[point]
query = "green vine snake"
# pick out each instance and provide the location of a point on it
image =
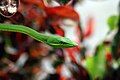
(52, 40)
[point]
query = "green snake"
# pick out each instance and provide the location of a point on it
(52, 40)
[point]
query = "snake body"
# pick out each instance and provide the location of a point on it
(52, 40)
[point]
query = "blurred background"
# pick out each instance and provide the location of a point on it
(93, 24)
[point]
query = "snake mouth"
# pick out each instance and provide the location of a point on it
(63, 45)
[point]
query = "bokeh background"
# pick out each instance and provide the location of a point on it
(92, 24)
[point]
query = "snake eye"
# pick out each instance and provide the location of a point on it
(8, 7)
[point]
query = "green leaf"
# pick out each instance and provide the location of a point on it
(112, 22)
(116, 45)
(96, 64)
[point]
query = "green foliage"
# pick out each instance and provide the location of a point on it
(112, 22)
(116, 46)
(96, 64)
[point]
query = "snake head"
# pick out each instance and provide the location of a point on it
(60, 42)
